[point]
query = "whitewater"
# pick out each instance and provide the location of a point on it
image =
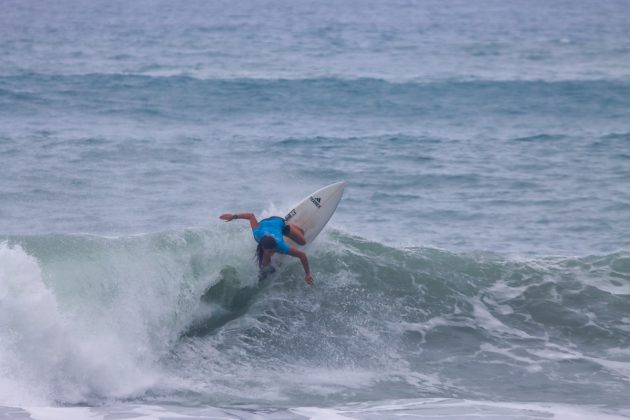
(478, 265)
(169, 317)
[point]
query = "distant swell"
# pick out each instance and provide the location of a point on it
(147, 95)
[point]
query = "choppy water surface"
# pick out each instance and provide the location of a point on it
(478, 263)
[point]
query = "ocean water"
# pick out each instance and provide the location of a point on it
(478, 265)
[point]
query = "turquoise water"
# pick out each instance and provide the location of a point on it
(479, 261)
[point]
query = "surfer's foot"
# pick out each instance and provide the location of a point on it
(265, 272)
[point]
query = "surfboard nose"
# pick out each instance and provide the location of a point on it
(312, 213)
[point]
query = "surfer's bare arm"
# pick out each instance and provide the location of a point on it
(302, 256)
(249, 216)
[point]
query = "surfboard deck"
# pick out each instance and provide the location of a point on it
(311, 215)
(313, 212)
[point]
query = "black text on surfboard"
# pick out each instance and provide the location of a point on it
(317, 201)
(290, 215)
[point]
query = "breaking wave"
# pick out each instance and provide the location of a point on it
(177, 313)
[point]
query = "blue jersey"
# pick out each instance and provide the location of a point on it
(272, 226)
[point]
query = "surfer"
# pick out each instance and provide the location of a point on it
(269, 233)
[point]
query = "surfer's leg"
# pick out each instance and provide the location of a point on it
(266, 261)
(295, 233)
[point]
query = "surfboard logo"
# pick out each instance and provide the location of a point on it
(290, 215)
(317, 201)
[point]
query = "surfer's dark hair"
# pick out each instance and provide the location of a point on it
(266, 242)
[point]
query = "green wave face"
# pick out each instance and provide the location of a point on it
(187, 311)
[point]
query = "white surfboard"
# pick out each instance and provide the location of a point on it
(312, 213)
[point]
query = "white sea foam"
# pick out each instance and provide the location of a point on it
(48, 354)
(31, 330)
(447, 409)
(423, 408)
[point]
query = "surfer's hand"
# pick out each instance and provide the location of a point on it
(309, 278)
(227, 217)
